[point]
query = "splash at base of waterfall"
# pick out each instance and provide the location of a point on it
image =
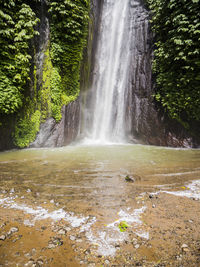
(104, 114)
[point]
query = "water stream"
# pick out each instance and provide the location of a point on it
(105, 117)
(91, 178)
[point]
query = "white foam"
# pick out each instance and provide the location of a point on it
(42, 213)
(192, 190)
(107, 239)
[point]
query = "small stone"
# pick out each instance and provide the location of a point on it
(33, 251)
(67, 229)
(52, 201)
(61, 232)
(79, 240)
(107, 262)
(185, 248)
(40, 262)
(30, 263)
(72, 238)
(151, 196)
(28, 190)
(153, 206)
(2, 225)
(129, 179)
(12, 230)
(12, 191)
(2, 237)
(27, 255)
(137, 246)
(51, 245)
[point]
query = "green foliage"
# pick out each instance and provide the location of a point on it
(17, 22)
(21, 93)
(176, 24)
(69, 25)
(27, 128)
(123, 226)
(44, 98)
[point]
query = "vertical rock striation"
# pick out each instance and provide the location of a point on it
(144, 122)
(143, 119)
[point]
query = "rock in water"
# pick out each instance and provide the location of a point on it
(129, 179)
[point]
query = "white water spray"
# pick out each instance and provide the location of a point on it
(107, 115)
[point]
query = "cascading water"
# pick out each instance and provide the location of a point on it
(104, 118)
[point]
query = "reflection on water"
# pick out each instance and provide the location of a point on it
(91, 177)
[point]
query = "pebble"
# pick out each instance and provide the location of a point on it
(185, 248)
(12, 191)
(28, 190)
(137, 246)
(61, 232)
(2, 225)
(107, 262)
(12, 230)
(55, 243)
(72, 238)
(129, 179)
(40, 262)
(33, 251)
(30, 263)
(153, 206)
(67, 229)
(2, 237)
(51, 245)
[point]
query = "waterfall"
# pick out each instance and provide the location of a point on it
(104, 114)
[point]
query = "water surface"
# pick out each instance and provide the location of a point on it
(82, 178)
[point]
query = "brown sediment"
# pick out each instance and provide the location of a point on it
(30, 244)
(173, 224)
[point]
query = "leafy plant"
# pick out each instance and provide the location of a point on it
(123, 226)
(17, 22)
(176, 24)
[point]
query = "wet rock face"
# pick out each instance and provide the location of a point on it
(143, 121)
(53, 134)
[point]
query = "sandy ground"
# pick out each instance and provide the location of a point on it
(173, 224)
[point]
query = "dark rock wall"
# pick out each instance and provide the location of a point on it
(53, 134)
(145, 122)
(143, 119)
